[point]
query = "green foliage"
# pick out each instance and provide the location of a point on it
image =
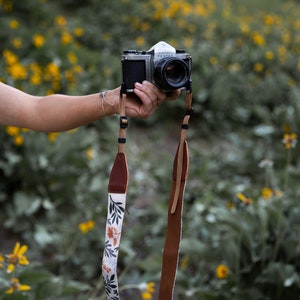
(53, 188)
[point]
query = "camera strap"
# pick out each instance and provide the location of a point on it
(174, 226)
(117, 189)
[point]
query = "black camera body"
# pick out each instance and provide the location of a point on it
(167, 68)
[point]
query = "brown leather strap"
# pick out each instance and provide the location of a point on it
(123, 125)
(174, 227)
(118, 180)
(173, 236)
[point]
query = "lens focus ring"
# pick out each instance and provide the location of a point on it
(171, 73)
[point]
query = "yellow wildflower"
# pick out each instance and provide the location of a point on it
(188, 42)
(17, 43)
(38, 40)
(52, 136)
(145, 26)
(19, 140)
(35, 79)
(8, 6)
(244, 199)
(106, 71)
(266, 193)
(72, 58)
(185, 262)
(269, 20)
(291, 82)
(140, 41)
(200, 10)
(244, 28)
(269, 55)
(87, 226)
(78, 31)
(14, 24)
(213, 60)
(10, 57)
(282, 52)
(106, 36)
(289, 140)
(12, 130)
(17, 257)
(297, 24)
(258, 39)
(69, 75)
(148, 290)
(17, 71)
(15, 286)
(61, 21)
(56, 84)
(52, 71)
(230, 205)
(2, 259)
(89, 153)
(186, 9)
(286, 37)
(222, 271)
(258, 67)
(66, 38)
(211, 6)
(77, 69)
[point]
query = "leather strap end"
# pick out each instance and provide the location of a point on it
(118, 180)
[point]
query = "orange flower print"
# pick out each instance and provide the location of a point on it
(106, 268)
(114, 234)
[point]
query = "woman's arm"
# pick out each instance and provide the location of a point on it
(62, 112)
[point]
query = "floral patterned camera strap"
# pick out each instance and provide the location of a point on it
(174, 227)
(117, 189)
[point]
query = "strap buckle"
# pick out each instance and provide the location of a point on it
(123, 122)
(189, 112)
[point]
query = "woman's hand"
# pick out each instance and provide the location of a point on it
(146, 99)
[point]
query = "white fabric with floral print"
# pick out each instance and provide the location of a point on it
(115, 216)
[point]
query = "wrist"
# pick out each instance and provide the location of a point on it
(109, 101)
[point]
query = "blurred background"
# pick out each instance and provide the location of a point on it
(241, 219)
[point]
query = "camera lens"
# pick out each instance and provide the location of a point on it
(171, 73)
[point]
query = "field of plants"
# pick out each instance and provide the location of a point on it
(241, 218)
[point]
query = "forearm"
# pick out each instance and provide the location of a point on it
(53, 112)
(60, 112)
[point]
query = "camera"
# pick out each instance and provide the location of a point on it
(163, 65)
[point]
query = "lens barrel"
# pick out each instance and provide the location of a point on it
(171, 73)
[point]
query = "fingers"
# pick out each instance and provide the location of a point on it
(150, 98)
(149, 93)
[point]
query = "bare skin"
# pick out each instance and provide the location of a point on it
(57, 112)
